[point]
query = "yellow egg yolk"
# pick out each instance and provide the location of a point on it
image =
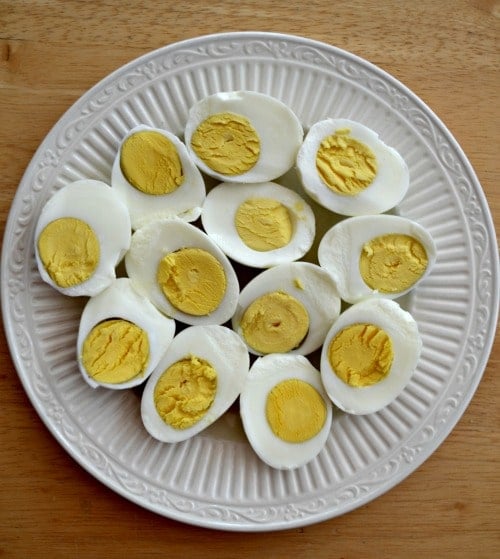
(295, 411)
(69, 250)
(185, 392)
(392, 263)
(193, 280)
(275, 323)
(264, 224)
(344, 164)
(361, 354)
(115, 351)
(227, 143)
(150, 162)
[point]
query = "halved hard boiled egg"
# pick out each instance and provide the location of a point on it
(285, 410)
(348, 169)
(156, 178)
(243, 136)
(183, 272)
(376, 256)
(259, 225)
(121, 337)
(198, 379)
(81, 235)
(369, 355)
(287, 309)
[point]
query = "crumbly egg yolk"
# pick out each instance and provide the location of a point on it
(295, 411)
(185, 392)
(227, 143)
(344, 164)
(263, 224)
(150, 163)
(275, 323)
(115, 351)
(361, 354)
(69, 250)
(193, 280)
(392, 263)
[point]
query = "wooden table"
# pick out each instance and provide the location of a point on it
(51, 52)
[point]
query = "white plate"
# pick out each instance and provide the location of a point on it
(214, 479)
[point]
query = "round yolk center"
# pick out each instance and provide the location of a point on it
(69, 250)
(115, 351)
(185, 392)
(275, 323)
(361, 354)
(151, 163)
(344, 164)
(193, 280)
(295, 411)
(392, 263)
(264, 224)
(227, 143)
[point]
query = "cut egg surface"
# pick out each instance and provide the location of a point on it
(183, 272)
(243, 136)
(81, 235)
(121, 337)
(200, 376)
(156, 178)
(344, 166)
(369, 355)
(259, 225)
(285, 411)
(376, 256)
(288, 308)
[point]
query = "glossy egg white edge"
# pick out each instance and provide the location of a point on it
(340, 248)
(185, 202)
(407, 346)
(265, 373)
(157, 239)
(121, 300)
(318, 294)
(218, 220)
(97, 204)
(279, 129)
(387, 189)
(225, 351)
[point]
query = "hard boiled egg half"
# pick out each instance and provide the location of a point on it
(287, 309)
(198, 379)
(348, 169)
(369, 355)
(155, 177)
(379, 255)
(285, 410)
(121, 337)
(243, 136)
(259, 225)
(183, 272)
(81, 235)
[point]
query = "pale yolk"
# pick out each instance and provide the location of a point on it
(185, 392)
(69, 250)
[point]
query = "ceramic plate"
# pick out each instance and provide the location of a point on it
(215, 479)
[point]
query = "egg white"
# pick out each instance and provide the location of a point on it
(308, 283)
(265, 373)
(155, 240)
(218, 219)
(97, 204)
(407, 346)
(388, 188)
(224, 350)
(120, 300)
(279, 130)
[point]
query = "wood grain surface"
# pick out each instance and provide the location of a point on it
(51, 52)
